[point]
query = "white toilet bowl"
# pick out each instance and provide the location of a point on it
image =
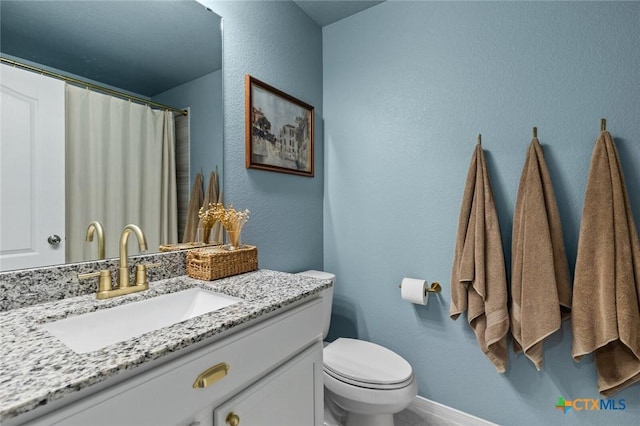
(369, 383)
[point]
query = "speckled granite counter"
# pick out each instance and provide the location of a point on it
(26, 287)
(36, 368)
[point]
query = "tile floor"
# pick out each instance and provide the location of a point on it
(409, 418)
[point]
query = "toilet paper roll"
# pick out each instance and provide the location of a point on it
(414, 291)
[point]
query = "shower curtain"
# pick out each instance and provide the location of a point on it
(120, 169)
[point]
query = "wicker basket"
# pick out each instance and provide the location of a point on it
(212, 263)
(184, 246)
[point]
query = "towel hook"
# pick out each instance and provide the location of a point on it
(603, 124)
(535, 132)
(479, 139)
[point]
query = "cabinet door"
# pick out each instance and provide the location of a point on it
(290, 396)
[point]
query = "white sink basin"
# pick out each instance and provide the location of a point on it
(95, 330)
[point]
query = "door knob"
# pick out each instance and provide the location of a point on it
(54, 240)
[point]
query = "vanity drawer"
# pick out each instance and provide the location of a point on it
(166, 396)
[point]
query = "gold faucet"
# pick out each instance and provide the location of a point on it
(123, 272)
(96, 227)
(104, 285)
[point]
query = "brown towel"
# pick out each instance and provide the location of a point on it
(606, 307)
(478, 278)
(540, 283)
(215, 196)
(212, 196)
(195, 202)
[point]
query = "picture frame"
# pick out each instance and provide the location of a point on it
(279, 130)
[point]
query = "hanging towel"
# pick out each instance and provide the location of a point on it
(478, 278)
(217, 227)
(195, 202)
(211, 196)
(606, 317)
(540, 283)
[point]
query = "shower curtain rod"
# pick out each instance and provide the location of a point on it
(92, 86)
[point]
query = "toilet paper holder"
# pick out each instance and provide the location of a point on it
(435, 288)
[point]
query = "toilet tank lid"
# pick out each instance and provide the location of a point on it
(318, 274)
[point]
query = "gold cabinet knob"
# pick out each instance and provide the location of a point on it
(232, 419)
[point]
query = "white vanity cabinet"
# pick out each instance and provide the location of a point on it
(268, 374)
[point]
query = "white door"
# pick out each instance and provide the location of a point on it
(31, 169)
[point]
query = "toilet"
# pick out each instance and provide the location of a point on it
(365, 383)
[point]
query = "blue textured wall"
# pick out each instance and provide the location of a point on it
(277, 43)
(204, 96)
(407, 88)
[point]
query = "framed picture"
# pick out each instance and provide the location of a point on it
(279, 130)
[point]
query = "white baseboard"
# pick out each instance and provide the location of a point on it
(438, 414)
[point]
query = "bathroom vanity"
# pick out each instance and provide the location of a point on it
(255, 362)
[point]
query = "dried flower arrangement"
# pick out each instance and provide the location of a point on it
(207, 216)
(231, 219)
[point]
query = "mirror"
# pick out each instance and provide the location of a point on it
(169, 52)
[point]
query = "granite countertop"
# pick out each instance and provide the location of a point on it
(36, 368)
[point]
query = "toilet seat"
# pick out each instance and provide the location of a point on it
(366, 364)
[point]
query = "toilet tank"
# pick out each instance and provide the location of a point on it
(327, 297)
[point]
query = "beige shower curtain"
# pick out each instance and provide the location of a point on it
(120, 169)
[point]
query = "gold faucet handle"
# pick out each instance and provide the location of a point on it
(141, 273)
(105, 279)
